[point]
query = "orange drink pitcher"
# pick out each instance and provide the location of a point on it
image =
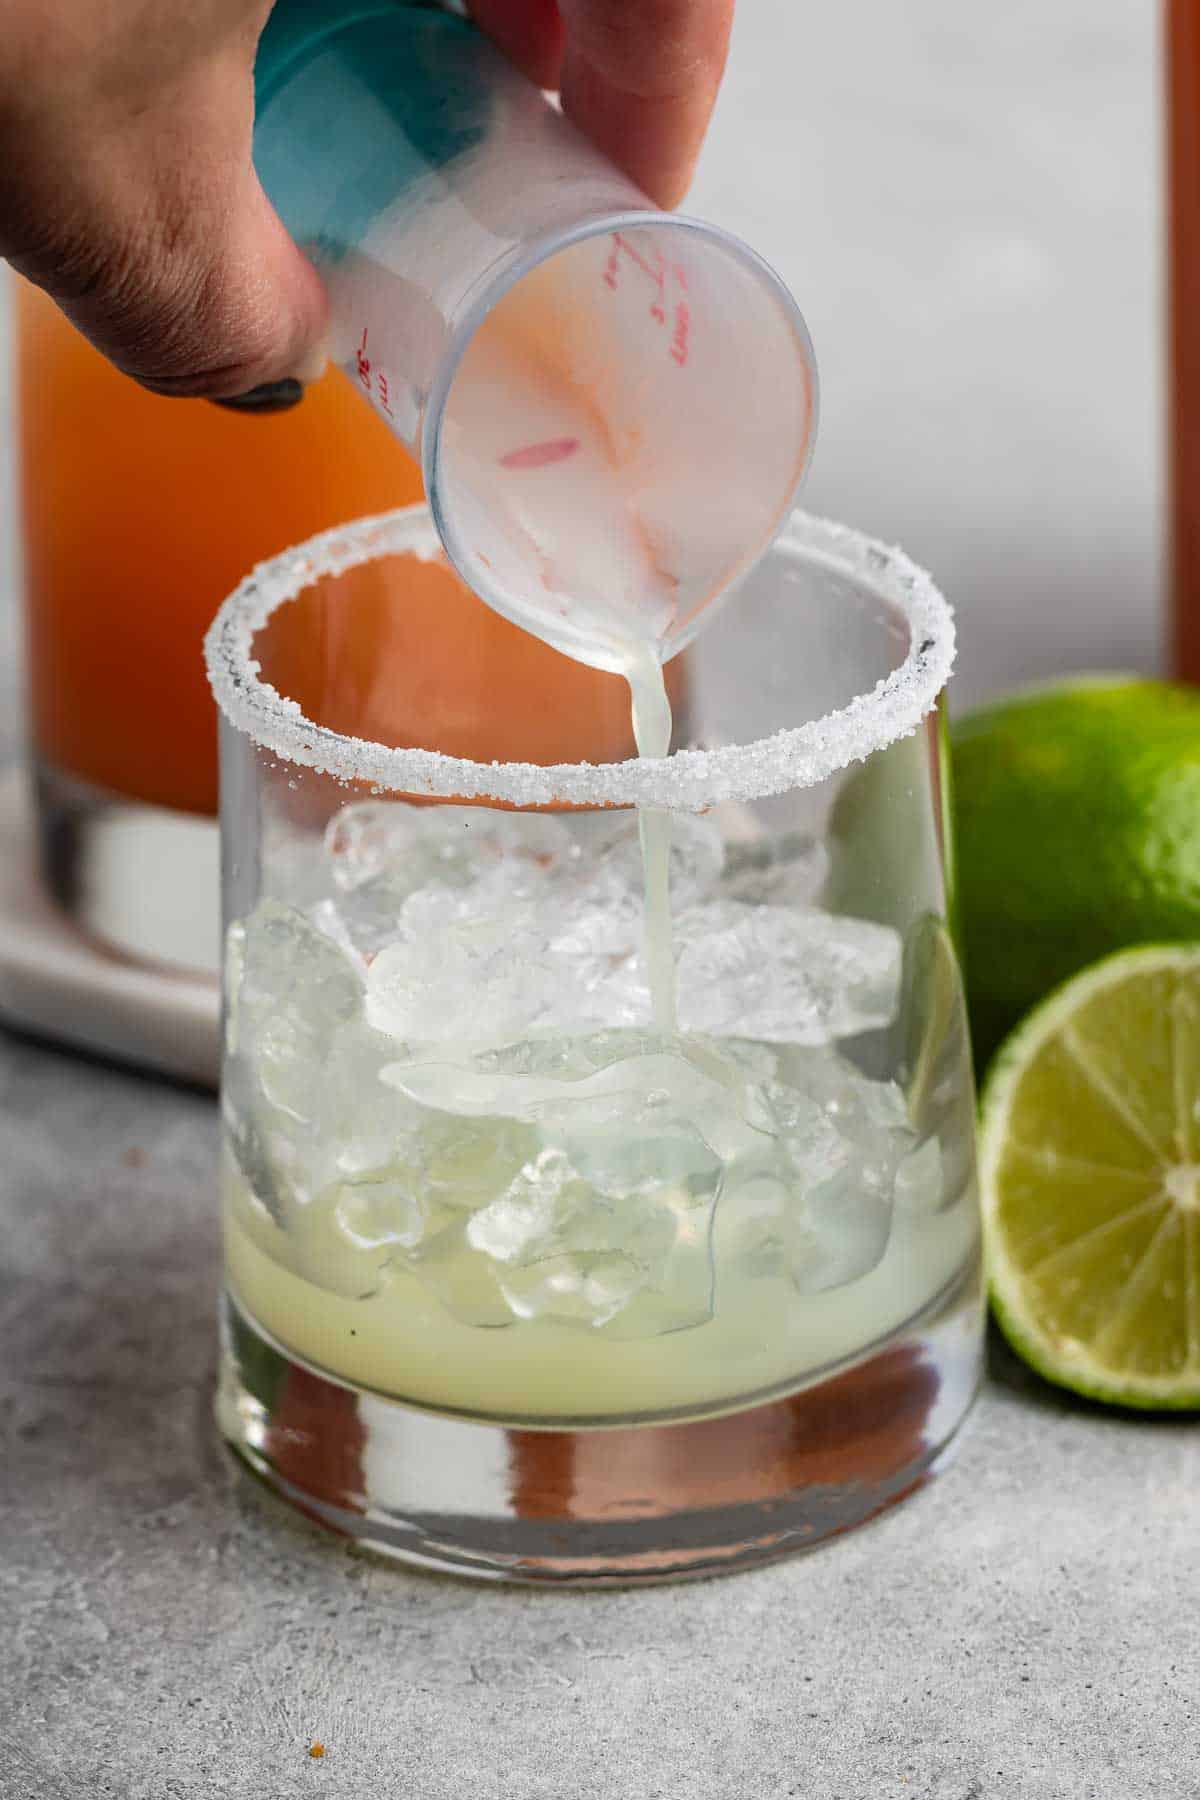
(139, 516)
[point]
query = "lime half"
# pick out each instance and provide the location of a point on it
(1090, 1170)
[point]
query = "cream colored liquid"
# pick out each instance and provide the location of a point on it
(652, 733)
(761, 1338)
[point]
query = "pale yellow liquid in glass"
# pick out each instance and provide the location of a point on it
(761, 1338)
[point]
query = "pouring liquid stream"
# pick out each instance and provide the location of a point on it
(580, 511)
(651, 710)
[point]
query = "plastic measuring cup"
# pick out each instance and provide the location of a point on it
(613, 406)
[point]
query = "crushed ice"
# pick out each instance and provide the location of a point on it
(447, 1066)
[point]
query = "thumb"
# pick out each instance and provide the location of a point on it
(142, 216)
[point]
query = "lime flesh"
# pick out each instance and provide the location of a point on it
(1090, 1170)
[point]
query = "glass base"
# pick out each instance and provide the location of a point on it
(141, 880)
(614, 1504)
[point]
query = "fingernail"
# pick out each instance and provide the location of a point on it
(314, 364)
(271, 397)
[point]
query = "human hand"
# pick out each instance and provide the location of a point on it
(640, 77)
(127, 189)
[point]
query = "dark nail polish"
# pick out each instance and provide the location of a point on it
(272, 396)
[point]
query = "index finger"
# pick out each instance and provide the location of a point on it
(529, 32)
(638, 76)
(641, 80)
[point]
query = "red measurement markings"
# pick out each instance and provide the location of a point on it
(373, 381)
(681, 333)
(635, 256)
(538, 456)
(681, 318)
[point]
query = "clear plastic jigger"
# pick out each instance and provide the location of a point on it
(613, 406)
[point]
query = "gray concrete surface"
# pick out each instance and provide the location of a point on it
(1026, 1628)
(965, 200)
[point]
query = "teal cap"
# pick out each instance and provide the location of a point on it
(355, 101)
(296, 29)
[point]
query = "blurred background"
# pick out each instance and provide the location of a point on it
(966, 201)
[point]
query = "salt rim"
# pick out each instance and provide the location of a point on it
(689, 780)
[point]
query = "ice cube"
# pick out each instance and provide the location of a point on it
(383, 854)
(645, 1154)
(461, 1087)
(524, 962)
(818, 1228)
(598, 891)
(574, 1290)
(839, 1230)
(837, 1144)
(488, 925)
(519, 952)
(443, 846)
(696, 859)
(371, 915)
(784, 975)
(666, 1231)
(389, 909)
(363, 838)
(624, 1082)
(413, 1214)
(920, 1184)
(570, 1058)
(380, 1214)
(345, 1240)
(330, 923)
(750, 1231)
(364, 1129)
(486, 1223)
(636, 1265)
(289, 992)
(265, 1158)
(524, 1219)
(463, 1279)
(251, 1212)
(577, 1059)
(470, 982)
(598, 976)
(231, 987)
(738, 1059)
(466, 1163)
(866, 1110)
(785, 870)
(586, 1232)
(295, 989)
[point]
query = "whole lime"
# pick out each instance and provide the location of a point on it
(1077, 823)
